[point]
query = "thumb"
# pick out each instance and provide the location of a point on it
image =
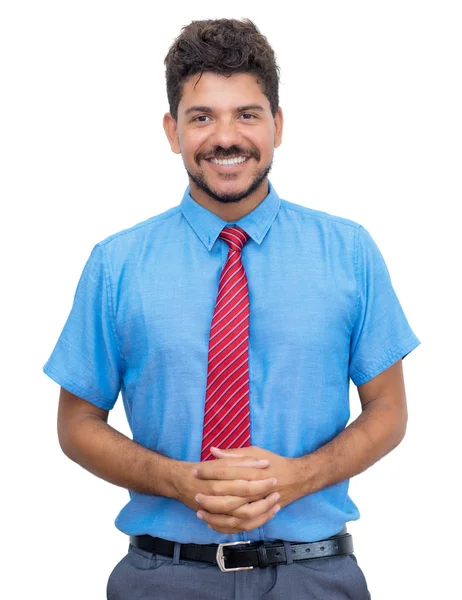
(229, 453)
(237, 453)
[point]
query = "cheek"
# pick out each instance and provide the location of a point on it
(269, 141)
(190, 146)
(264, 142)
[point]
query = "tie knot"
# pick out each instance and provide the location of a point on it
(234, 236)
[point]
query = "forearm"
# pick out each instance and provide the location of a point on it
(109, 454)
(377, 430)
(89, 441)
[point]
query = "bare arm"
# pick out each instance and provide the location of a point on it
(379, 428)
(87, 439)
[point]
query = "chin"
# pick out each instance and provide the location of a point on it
(231, 190)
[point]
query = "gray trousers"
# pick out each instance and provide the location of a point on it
(141, 575)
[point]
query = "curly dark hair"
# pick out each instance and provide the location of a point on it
(223, 46)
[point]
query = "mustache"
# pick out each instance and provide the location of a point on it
(227, 153)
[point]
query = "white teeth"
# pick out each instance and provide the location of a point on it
(229, 161)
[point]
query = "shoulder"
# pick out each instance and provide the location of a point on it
(331, 230)
(318, 216)
(140, 231)
(133, 245)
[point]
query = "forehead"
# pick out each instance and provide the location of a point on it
(222, 93)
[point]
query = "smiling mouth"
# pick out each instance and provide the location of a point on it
(225, 162)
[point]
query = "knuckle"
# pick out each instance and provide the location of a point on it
(233, 522)
(229, 505)
(215, 488)
(247, 488)
(245, 512)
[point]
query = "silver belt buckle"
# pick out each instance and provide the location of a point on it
(221, 557)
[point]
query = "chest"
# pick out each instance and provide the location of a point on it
(299, 300)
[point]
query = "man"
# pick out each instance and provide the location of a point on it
(232, 324)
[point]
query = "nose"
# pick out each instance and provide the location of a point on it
(226, 133)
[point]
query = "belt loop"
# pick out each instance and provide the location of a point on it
(262, 556)
(176, 553)
(288, 549)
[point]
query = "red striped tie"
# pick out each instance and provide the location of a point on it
(227, 413)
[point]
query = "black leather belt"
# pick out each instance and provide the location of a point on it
(238, 556)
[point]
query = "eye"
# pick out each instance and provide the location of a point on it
(200, 118)
(250, 115)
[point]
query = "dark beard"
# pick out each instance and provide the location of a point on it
(228, 198)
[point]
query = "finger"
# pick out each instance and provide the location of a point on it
(235, 506)
(213, 503)
(232, 461)
(234, 453)
(240, 487)
(227, 524)
(220, 504)
(252, 510)
(219, 453)
(220, 471)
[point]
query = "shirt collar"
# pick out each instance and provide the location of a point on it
(208, 225)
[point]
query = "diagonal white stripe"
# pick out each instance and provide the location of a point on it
(228, 376)
(234, 429)
(243, 407)
(228, 366)
(233, 441)
(243, 341)
(235, 305)
(230, 405)
(228, 324)
(230, 332)
(224, 292)
(209, 408)
(223, 284)
(215, 356)
(236, 237)
(231, 262)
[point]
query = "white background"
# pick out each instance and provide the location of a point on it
(371, 93)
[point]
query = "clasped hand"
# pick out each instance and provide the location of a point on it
(241, 490)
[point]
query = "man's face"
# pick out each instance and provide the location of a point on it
(226, 134)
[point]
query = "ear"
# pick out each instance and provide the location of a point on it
(278, 127)
(171, 130)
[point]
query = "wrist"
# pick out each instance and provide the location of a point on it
(176, 475)
(308, 475)
(162, 477)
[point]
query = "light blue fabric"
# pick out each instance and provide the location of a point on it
(322, 310)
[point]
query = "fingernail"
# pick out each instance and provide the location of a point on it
(277, 509)
(199, 514)
(198, 497)
(194, 472)
(275, 482)
(276, 497)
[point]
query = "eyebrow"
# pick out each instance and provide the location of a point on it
(208, 109)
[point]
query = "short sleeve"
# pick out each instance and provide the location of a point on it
(381, 334)
(86, 359)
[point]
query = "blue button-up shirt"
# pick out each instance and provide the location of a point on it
(322, 311)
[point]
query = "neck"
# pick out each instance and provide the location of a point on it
(232, 211)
